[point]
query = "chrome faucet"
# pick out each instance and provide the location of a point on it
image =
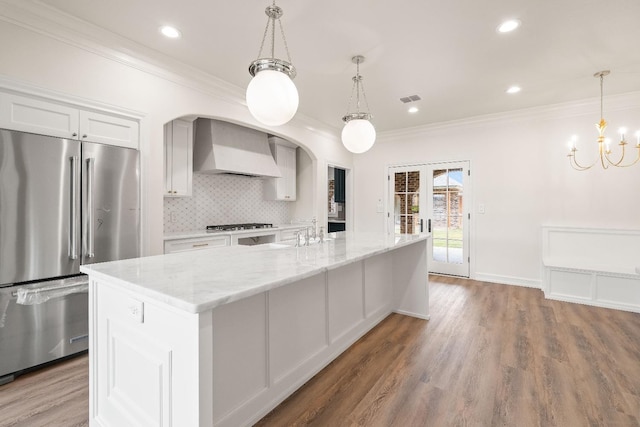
(314, 223)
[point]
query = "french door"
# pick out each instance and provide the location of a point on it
(431, 199)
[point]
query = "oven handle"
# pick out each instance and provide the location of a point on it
(39, 295)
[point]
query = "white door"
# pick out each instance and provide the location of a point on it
(448, 217)
(430, 199)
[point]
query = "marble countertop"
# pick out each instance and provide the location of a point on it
(176, 235)
(197, 281)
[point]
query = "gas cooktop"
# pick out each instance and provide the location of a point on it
(229, 227)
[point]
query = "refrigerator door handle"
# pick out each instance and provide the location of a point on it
(89, 213)
(73, 227)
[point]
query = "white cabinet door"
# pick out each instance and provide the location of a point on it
(282, 188)
(38, 116)
(110, 130)
(45, 117)
(178, 139)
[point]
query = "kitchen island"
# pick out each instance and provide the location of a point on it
(221, 336)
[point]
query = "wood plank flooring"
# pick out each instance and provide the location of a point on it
(55, 396)
(491, 355)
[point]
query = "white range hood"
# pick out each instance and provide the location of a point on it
(222, 147)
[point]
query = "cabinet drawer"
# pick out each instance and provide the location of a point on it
(289, 234)
(184, 245)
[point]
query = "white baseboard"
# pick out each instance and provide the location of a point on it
(508, 280)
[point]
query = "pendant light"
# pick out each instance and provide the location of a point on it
(358, 134)
(272, 96)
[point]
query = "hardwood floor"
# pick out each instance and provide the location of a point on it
(491, 355)
(55, 396)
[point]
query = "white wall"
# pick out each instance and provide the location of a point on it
(521, 174)
(53, 60)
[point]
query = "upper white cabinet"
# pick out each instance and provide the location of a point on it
(178, 158)
(283, 188)
(106, 129)
(47, 117)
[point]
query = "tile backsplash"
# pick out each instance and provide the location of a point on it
(222, 199)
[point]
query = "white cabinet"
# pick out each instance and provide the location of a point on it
(289, 234)
(178, 158)
(194, 244)
(48, 117)
(107, 129)
(285, 156)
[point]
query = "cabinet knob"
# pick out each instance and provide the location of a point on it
(84, 136)
(74, 134)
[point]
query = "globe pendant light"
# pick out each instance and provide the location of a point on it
(272, 96)
(358, 134)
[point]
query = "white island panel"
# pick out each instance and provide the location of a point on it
(240, 353)
(378, 295)
(297, 325)
(346, 299)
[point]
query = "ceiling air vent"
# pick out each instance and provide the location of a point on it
(411, 98)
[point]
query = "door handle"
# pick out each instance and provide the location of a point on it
(421, 225)
(73, 227)
(429, 225)
(90, 238)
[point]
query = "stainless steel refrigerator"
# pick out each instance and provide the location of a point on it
(63, 203)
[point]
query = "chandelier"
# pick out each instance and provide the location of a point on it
(604, 143)
(272, 96)
(358, 134)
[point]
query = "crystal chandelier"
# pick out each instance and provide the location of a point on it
(358, 134)
(604, 143)
(272, 96)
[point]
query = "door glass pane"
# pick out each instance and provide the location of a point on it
(447, 227)
(407, 202)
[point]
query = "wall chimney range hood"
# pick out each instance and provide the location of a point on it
(222, 147)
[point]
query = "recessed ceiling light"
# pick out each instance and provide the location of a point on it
(514, 89)
(413, 110)
(508, 26)
(171, 32)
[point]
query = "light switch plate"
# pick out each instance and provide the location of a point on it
(481, 208)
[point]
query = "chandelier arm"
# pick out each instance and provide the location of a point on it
(619, 161)
(602, 157)
(619, 165)
(574, 164)
(572, 156)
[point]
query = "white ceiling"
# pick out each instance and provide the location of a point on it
(447, 52)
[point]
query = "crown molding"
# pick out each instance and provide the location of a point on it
(50, 22)
(580, 108)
